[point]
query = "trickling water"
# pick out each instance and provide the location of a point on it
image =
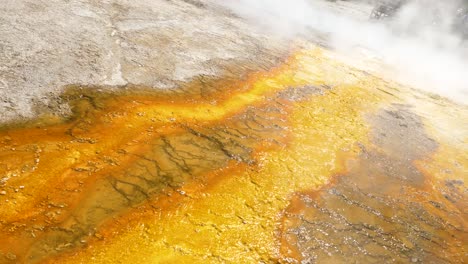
(202, 172)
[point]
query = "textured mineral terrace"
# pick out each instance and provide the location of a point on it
(263, 153)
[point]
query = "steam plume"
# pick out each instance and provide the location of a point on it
(414, 51)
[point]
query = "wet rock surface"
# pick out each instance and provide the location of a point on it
(383, 209)
(156, 156)
(161, 165)
(205, 172)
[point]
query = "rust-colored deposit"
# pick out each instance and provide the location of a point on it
(310, 161)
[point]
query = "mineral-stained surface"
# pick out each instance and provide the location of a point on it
(311, 161)
(172, 131)
(383, 207)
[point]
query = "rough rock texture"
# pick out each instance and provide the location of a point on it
(382, 210)
(47, 45)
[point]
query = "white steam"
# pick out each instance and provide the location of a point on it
(428, 57)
